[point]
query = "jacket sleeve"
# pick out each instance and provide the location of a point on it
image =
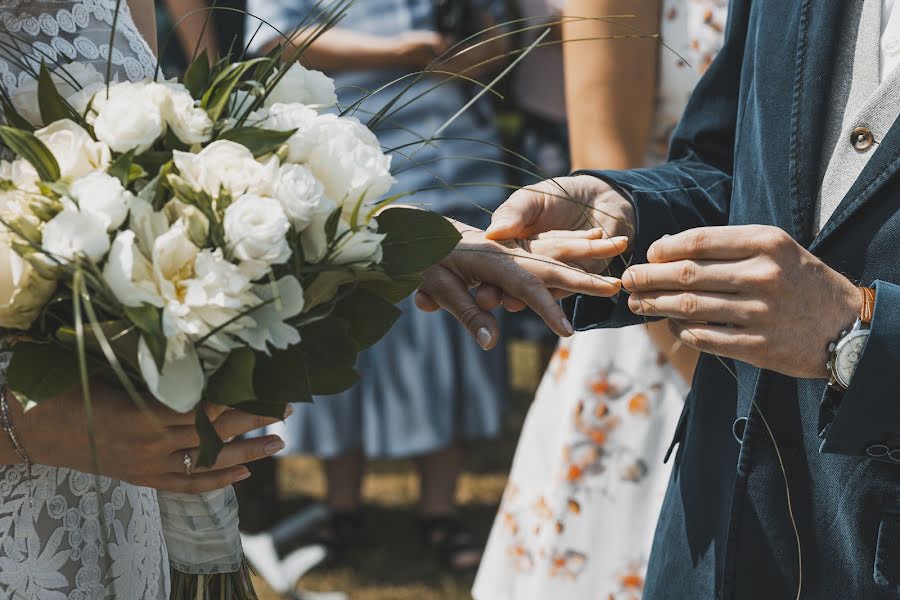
(692, 189)
(857, 423)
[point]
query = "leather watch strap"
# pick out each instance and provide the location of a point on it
(868, 305)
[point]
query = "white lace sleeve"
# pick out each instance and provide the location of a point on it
(61, 31)
(65, 535)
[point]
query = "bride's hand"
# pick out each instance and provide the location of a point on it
(145, 447)
(536, 271)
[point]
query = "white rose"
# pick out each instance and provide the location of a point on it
(103, 196)
(129, 274)
(228, 165)
(74, 149)
(131, 117)
(270, 328)
(361, 248)
(190, 123)
(301, 195)
(21, 173)
(69, 79)
(256, 229)
(349, 162)
(23, 293)
(288, 117)
(72, 233)
(147, 224)
(303, 86)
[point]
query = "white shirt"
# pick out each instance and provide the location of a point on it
(890, 38)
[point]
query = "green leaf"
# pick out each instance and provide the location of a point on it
(121, 335)
(323, 363)
(53, 107)
(263, 409)
(121, 168)
(216, 98)
(331, 224)
(391, 289)
(153, 161)
(325, 287)
(210, 442)
(148, 320)
(369, 317)
(39, 372)
(258, 141)
(26, 145)
(196, 78)
(232, 383)
(415, 240)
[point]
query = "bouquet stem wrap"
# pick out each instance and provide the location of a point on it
(204, 545)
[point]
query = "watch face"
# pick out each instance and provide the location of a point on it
(848, 356)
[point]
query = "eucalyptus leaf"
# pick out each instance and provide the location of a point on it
(258, 141)
(391, 289)
(325, 287)
(415, 240)
(331, 224)
(196, 78)
(369, 317)
(263, 409)
(33, 150)
(232, 383)
(148, 320)
(52, 106)
(121, 167)
(210, 442)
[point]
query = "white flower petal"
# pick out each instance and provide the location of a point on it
(129, 274)
(271, 329)
(180, 384)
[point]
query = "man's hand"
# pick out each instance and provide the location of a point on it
(746, 292)
(537, 278)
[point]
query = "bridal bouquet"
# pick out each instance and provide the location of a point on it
(222, 239)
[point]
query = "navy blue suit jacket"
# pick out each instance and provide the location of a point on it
(749, 150)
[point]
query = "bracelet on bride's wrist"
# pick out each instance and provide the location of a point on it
(7, 425)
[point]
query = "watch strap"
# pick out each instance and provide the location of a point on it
(868, 305)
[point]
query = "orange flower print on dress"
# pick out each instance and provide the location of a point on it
(639, 404)
(567, 564)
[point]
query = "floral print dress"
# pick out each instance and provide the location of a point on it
(588, 480)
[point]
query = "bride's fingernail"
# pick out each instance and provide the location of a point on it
(484, 338)
(567, 325)
(274, 447)
(618, 240)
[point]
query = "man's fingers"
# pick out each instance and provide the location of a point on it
(426, 303)
(697, 306)
(707, 243)
(698, 275)
(728, 342)
(561, 276)
(448, 290)
(488, 297)
(512, 219)
(572, 250)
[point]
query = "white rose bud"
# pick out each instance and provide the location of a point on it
(301, 195)
(74, 149)
(228, 165)
(288, 117)
(23, 293)
(72, 233)
(190, 123)
(131, 118)
(303, 86)
(361, 248)
(256, 229)
(349, 162)
(104, 197)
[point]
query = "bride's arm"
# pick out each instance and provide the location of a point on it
(144, 14)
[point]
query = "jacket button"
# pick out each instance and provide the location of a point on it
(877, 450)
(738, 428)
(862, 139)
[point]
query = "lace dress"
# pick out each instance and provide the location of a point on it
(66, 535)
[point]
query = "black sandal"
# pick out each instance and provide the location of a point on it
(455, 546)
(338, 535)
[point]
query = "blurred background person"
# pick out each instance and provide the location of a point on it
(427, 386)
(192, 26)
(588, 479)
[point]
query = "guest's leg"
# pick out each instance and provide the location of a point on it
(438, 476)
(344, 477)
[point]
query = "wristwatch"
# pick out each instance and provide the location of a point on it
(846, 352)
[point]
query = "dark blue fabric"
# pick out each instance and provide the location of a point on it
(749, 150)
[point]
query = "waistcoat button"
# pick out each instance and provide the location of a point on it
(862, 139)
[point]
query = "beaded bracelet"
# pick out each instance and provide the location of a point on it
(7, 426)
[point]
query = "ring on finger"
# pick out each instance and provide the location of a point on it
(188, 464)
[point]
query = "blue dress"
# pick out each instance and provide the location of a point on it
(427, 383)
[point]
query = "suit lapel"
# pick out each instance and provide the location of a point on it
(817, 50)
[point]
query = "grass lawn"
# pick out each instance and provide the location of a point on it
(391, 563)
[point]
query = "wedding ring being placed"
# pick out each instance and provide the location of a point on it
(188, 464)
